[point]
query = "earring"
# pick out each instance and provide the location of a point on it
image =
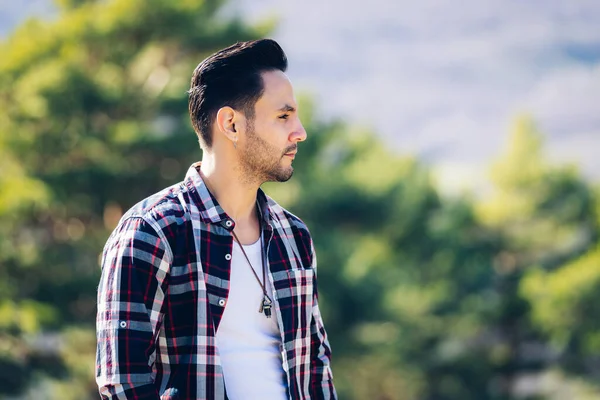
(235, 143)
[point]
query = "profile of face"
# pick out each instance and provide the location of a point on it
(271, 139)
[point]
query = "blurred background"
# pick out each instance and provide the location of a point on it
(450, 181)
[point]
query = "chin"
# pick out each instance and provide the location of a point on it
(282, 175)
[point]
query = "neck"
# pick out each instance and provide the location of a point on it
(235, 195)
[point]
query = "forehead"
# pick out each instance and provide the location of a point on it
(278, 91)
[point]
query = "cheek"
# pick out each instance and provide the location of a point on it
(276, 134)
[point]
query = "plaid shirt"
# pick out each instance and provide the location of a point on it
(164, 286)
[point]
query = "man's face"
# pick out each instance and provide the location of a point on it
(272, 137)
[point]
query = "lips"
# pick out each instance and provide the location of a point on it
(292, 152)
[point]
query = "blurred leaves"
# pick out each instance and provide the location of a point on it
(566, 303)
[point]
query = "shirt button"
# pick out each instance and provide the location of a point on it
(228, 257)
(222, 302)
(123, 324)
(228, 223)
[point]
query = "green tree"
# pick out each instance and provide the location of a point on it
(547, 269)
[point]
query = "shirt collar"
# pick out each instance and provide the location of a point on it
(208, 206)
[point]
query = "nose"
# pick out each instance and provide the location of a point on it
(299, 133)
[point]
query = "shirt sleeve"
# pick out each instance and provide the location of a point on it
(321, 380)
(135, 266)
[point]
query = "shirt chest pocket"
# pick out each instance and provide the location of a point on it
(294, 293)
(301, 283)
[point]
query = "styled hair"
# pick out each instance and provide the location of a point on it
(231, 77)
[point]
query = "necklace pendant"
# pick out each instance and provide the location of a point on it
(265, 306)
(267, 310)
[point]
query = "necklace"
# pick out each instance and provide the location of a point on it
(265, 304)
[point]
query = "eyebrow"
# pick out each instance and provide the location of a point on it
(287, 108)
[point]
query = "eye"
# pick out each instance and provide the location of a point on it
(284, 116)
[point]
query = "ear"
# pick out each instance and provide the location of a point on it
(226, 121)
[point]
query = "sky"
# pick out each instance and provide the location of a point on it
(440, 79)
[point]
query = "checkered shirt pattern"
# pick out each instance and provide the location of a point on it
(164, 286)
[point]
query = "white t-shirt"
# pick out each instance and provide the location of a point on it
(248, 341)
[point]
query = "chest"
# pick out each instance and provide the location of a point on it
(200, 287)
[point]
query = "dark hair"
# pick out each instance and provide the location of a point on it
(231, 77)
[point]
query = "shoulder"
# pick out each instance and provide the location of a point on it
(164, 211)
(148, 230)
(286, 218)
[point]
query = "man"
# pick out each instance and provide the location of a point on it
(208, 288)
